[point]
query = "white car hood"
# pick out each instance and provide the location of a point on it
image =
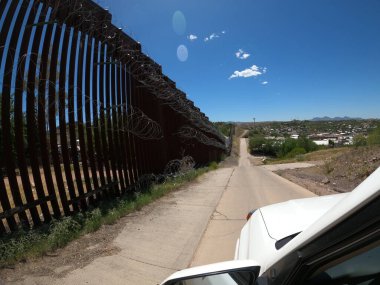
(294, 216)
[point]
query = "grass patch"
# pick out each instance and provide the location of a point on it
(23, 245)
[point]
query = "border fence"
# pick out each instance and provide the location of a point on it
(84, 113)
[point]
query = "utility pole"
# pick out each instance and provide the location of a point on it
(254, 122)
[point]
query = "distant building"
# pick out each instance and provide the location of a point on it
(321, 142)
(294, 136)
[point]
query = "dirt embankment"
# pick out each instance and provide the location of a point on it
(335, 171)
(233, 159)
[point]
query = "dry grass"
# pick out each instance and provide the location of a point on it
(24, 245)
(239, 131)
(338, 170)
(34, 192)
(233, 159)
(319, 155)
(326, 153)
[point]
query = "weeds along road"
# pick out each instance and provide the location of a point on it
(148, 245)
(195, 225)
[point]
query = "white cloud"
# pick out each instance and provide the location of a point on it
(213, 36)
(264, 70)
(264, 82)
(241, 54)
(192, 37)
(252, 71)
(245, 55)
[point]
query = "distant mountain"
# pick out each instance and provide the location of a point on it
(325, 118)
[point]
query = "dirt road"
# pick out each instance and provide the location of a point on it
(145, 247)
(250, 187)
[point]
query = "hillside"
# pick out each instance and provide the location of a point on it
(336, 170)
(325, 118)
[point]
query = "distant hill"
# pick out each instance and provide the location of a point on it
(345, 118)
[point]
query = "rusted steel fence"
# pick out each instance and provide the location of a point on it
(84, 113)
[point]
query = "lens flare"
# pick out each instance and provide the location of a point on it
(179, 23)
(182, 53)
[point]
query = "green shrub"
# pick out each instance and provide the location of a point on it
(359, 140)
(295, 151)
(256, 131)
(258, 144)
(287, 146)
(213, 165)
(374, 137)
(224, 128)
(63, 231)
(307, 144)
(292, 147)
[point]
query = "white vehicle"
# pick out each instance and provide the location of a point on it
(323, 240)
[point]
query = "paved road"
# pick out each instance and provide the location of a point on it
(250, 187)
(196, 225)
(154, 243)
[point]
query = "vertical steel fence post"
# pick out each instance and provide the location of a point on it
(6, 115)
(89, 129)
(95, 112)
(82, 143)
(52, 98)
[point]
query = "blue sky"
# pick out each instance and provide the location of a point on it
(268, 59)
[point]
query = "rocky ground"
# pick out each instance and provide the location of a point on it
(335, 171)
